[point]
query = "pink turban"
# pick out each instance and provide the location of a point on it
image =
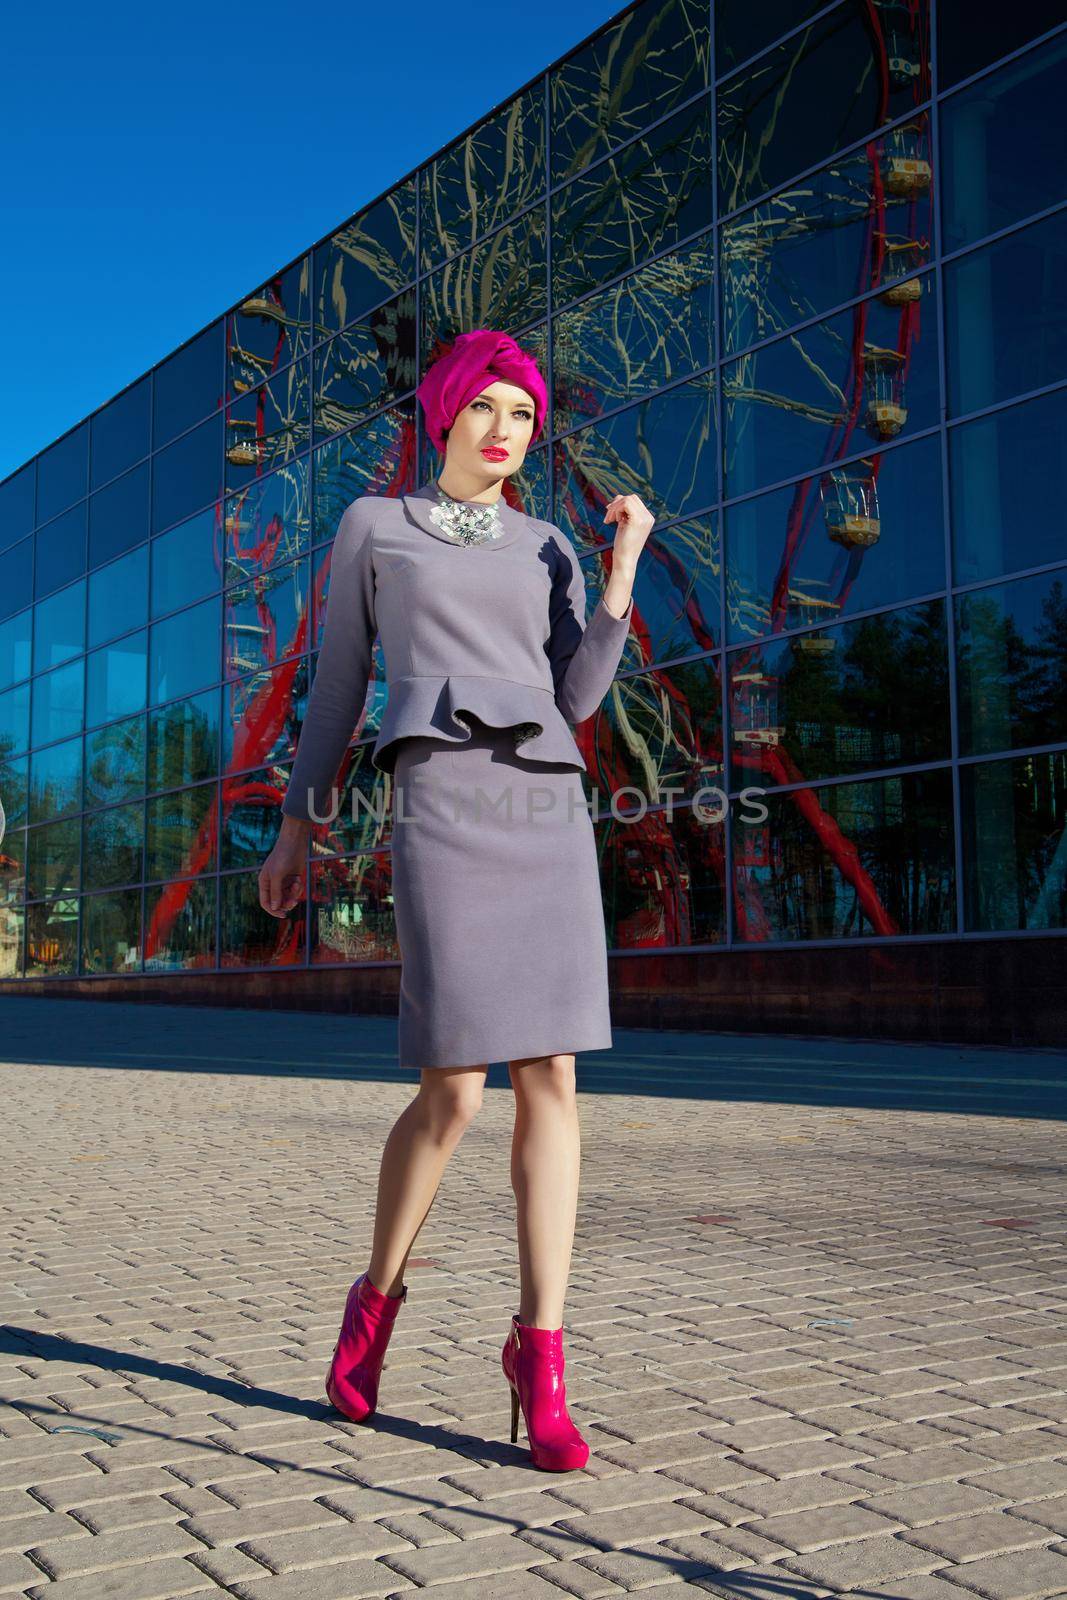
(471, 364)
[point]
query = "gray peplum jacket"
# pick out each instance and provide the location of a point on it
(496, 629)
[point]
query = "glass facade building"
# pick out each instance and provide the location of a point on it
(796, 276)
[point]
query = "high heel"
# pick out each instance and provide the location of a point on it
(533, 1362)
(355, 1371)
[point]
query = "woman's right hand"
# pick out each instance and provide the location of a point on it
(282, 876)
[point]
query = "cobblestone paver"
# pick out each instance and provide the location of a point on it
(815, 1349)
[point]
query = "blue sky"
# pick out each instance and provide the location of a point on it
(161, 165)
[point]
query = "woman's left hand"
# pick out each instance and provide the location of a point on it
(635, 522)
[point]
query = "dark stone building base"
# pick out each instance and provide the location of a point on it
(978, 991)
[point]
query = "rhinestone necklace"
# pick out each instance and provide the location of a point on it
(464, 521)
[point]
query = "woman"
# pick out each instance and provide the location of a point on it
(482, 615)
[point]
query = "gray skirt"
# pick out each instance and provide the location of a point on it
(497, 899)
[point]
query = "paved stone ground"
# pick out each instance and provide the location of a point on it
(815, 1348)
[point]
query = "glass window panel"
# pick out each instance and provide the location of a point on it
(118, 596)
(52, 939)
(17, 506)
(183, 742)
(867, 373)
(52, 858)
(368, 365)
(373, 459)
(838, 701)
(676, 593)
(251, 816)
(181, 833)
(63, 473)
(185, 564)
(61, 550)
(114, 845)
(662, 450)
(847, 860)
(59, 702)
(819, 91)
(15, 788)
(742, 29)
(268, 426)
(268, 522)
(264, 712)
(1011, 664)
(185, 652)
(116, 685)
(1013, 816)
(188, 385)
(867, 534)
(118, 516)
(120, 432)
(12, 920)
(59, 627)
(1002, 143)
(964, 48)
(656, 733)
(187, 475)
(363, 820)
(501, 283)
(1006, 471)
(352, 917)
(484, 179)
(636, 70)
(1003, 303)
(111, 932)
(663, 880)
(863, 220)
(179, 930)
(266, 619)
(650, 196)
(269, 329)
(366, 261)
(250, 936)
(12, 883)
(15, 636)
(114, 762)
(635, 337)
(16, 578)
(14, 726)
(55, 784)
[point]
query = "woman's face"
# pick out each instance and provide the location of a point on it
(501, 418)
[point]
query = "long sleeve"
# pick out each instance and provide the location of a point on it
(342, 673)
(584, 655)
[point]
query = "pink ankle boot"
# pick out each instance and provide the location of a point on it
(533, 1363)
(352, 1381)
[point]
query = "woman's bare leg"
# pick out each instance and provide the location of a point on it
(545, 1159)
(415, 1156)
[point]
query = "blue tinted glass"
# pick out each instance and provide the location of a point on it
(55, 780)
(114, 762)
(116, 684)
(1011, 664)
(15, 721)
(1002, 146)
(1012, 815)
(188, 386)
(16, 506)
(968, 39)
(120, 434)
(61, 550)
(59, 627)
(1005, 331)
(118, 516)
(118, 596)
(63, 473)
(184, 564)
(186, 652)
(848, 539)
(183, 741)
(1006, 470)
(15, 635)
(58, 703)
(16, 578)
(187, 475)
